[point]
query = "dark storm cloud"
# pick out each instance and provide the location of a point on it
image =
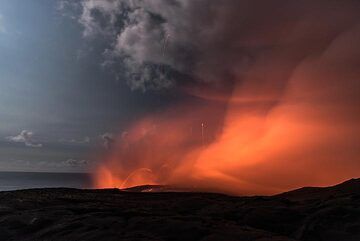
(212, 41)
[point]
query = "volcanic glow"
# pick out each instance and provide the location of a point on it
(303, 136)
(278, 96)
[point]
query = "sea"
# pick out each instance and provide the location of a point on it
(25, 180)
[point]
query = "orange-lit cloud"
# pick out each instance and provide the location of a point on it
(280, 103)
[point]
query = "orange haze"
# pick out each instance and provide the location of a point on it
(292, 121)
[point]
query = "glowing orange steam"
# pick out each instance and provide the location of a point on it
(305, 132)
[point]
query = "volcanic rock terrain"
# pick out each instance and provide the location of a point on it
(309, 214)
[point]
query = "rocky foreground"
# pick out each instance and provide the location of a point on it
(325, 214)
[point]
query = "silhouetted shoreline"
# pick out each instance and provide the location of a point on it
(16, 180)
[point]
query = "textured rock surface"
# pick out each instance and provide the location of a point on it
(330, 214)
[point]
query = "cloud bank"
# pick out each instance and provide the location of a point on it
(25, 137)
(107, 139)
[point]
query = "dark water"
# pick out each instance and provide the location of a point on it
(24, 180)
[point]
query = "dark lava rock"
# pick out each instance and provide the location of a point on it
(309, 214)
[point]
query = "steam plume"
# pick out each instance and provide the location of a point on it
(282, 76)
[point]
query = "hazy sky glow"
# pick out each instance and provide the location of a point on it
(236, 95)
